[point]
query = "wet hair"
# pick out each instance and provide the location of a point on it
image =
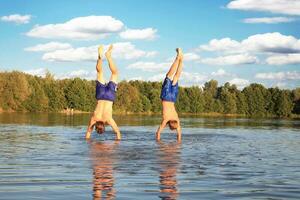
(99, 126)
(173, 124)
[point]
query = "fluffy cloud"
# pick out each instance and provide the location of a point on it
(50, 46)
(283, 59)
(279, 75)
(239, 59)
(191, 56)
(289, 7)
(279, 50)
(271, 43)
(186, 79)
(16, 18)
(122, 50)
(220, 73)
(37, 72)
(239, 82)
(268, 20)
(128, 51)
(157, 77)
(139, 34)
(192, 78)
(89, 75)
(85, 28)
(150, 66)
(259, 43)
(225, 44)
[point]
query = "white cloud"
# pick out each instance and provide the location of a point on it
(50, 46)
(289, 7)
(279, 75)
(192, 78)
(85, 28)
(84, 74)
(268, 20)
(16, 18)
(224, 44)
(137, 78)
(280, 85)
(139, 34)
(122, 50)
(128, 51)
(150, 66)
(238, 59)
(259, 43)
(283, 59)
(157, 77)
(72, 54)
(186, 79)
(191, 56)
(220, 72)
(239, 82)
(37, 72)
(271, 43)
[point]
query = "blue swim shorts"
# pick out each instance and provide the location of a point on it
(106, 91)
(169, 92)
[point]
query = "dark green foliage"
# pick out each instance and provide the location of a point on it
(23, 92)
(196, 99)
(183, 101)
(284, 104)
(255, 96)
(296, 100)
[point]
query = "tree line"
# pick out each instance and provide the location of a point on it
(24, 92)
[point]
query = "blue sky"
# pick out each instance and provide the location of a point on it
(240, 41)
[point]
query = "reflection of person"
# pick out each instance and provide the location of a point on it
(169, 158)
(169, 95)
(105, 94)
(102, 155)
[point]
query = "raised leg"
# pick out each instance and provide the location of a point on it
(111, 64)
(99, 69)
(178, 71)
(173, 68)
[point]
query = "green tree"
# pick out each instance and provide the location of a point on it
(255, 95)
(228, 100)
(14, 90)
(37, 100)
(296, 100)
(241, 103)
(128, 98)
(79, 94)
(183, 101)
(196, 99)
(210, 94)
(284, 104)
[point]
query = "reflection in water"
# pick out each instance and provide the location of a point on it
(169, 159)
(103, 160)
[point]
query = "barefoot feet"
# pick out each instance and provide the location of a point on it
(108, 52)
(100, 51)
(179, 53)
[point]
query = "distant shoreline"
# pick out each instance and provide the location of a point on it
(213, 114)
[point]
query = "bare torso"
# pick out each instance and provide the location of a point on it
(168, 111)
(103, 110)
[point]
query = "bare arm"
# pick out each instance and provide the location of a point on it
(179, 133)
(90, 127)
(160, 129)
(115, 128)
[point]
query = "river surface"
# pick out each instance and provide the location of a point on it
(45, 156)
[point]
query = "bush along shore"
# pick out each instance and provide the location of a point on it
(28, 93)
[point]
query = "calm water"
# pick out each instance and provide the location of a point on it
(47, 157)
